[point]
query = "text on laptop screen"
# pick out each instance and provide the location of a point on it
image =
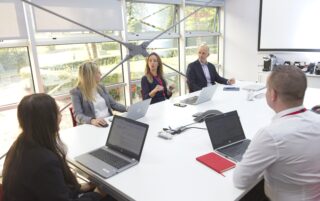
(127, 135)
(225, 129)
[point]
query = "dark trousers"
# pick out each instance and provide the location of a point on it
(108, 198)
(256, 193)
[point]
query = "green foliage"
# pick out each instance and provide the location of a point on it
(13, 58)
(112, 79)
(203, 20)
(115, 93)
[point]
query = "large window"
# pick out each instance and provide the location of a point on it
(206, 19)
(144, 17)
(59, 64)
(15, 75)
(192, 44)
(53, 58)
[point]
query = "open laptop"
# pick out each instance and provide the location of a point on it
(122, 150)
(205, 95)
(137, 110)
(227, 136)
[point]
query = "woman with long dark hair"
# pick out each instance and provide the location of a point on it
(35, 167)
(153, 84)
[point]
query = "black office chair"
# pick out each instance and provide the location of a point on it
(316, 109)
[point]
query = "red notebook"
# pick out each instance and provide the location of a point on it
(216, 162)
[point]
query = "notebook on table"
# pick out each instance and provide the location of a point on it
(122, 150)
(227, 136)
(137, 110)
(216, 162)
(205, 95)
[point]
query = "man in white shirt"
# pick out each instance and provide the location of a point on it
(287, 151)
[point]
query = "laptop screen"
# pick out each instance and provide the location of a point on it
(139, 109)
(127, 136)
(224, 129)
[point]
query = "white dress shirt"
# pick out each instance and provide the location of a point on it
(206, 73)
(100, 107)
(287, 153)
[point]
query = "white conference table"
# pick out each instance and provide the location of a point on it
(168, 169)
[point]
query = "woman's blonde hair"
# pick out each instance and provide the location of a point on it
(86, 80)
(159, 69)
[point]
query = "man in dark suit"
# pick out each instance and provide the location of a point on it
(201, 73)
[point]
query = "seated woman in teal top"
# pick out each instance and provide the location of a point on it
(153, 84)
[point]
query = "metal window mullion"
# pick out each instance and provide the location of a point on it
(221, 47)
(126, 65)
(76, 39)
(201, 34)
(182, 47)
(149, 36)
(33, 54)
(14, 44)
(115, 86)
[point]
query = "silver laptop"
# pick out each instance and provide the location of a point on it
(122, 150)
(205, 95)
(137, 110)
(227, 136)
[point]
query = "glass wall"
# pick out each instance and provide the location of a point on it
(54, 58)
(59, 64)
(144, 17)
(15, 75)
(192, 44)
(206, 19)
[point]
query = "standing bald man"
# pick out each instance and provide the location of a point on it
(202, 73)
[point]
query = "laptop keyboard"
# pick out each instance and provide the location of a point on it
(236, 150)
(190, 100)
(110, 158)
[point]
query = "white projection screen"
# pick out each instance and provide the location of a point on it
(289, 25)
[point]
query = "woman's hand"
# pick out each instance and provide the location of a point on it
(172, 87)
(98, 190)
(159, 88)
(100, 122)
(86, 187)
(155, 90)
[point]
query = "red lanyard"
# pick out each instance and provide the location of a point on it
(296, 112)
(160, 83)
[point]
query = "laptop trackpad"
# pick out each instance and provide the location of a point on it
(96, 165)
(236, 151)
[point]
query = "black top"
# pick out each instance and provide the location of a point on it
(39, 177)
(197, 79)
(147, 87)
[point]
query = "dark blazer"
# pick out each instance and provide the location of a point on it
(84, 110)
(196, 79)
(146, 87)
(39, 177)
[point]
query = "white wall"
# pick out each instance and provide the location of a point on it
(241, 57)
(241, 39)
